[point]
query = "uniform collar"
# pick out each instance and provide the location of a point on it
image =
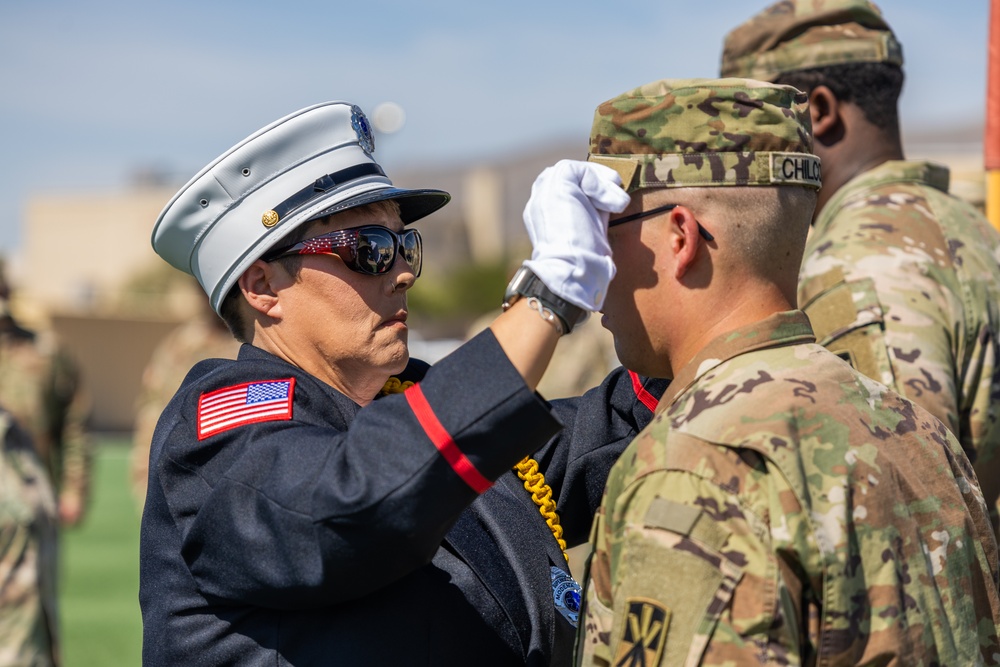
(786, 328)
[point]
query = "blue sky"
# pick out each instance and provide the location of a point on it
(94, 90)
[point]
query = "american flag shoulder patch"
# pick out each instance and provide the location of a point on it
(247, 403)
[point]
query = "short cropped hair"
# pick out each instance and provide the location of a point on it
(873, 87)
(760, 229)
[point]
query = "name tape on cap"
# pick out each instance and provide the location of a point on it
(795, 168)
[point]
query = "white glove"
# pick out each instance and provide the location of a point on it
(567, 222)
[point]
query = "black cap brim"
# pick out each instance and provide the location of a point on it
(413, 204)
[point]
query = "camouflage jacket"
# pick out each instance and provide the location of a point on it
(784, 509)
(28, 613)
(903, 281)
(40, 386)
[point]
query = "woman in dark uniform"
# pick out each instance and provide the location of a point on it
(291, 517)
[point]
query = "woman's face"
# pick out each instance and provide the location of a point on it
(347, 328)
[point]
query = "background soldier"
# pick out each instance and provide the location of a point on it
(581, 361)
(28, 610)
(40, 387)
(39, 489)
(899, 278)
(781, 508)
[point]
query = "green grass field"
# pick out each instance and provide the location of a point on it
(101, 625)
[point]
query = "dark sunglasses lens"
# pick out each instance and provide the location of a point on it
(376, 250)
(412, 250)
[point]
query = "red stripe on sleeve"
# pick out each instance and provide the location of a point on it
(644, 396)
(462, 466)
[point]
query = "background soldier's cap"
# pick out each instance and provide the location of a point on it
(803, 34)
(309, 164)
(706, 132)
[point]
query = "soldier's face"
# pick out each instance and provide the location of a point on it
(343, 326)
(637, 300)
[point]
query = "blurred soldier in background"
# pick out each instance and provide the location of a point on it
(28, 609)
(899, 278)
(40, 387)
(204, 336)
(581, 361)
(40, 489)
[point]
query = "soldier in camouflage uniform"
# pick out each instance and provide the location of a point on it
(40, 387)
(781, 508)
(39, 490)
(28, 613)
(899, 278)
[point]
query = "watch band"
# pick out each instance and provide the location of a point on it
(526, 284)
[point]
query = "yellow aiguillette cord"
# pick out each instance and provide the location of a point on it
(541, 493)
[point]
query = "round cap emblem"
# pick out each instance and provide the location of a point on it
(364, 130)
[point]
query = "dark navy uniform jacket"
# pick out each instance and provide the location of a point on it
(341, 535)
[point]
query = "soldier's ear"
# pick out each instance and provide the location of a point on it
(685, 239)
(824, 111)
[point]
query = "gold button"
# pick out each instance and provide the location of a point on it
(269, 219)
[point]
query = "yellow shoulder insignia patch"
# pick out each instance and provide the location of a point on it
(644, 633)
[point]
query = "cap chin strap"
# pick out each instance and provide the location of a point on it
(322, 185)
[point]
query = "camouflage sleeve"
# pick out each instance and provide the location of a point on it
(892, 320)
(978, 413)
(28, 600)
(683, 574)
(904, 287)
(68, 409)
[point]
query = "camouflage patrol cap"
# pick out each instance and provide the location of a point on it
(706, 132)
(802, 34)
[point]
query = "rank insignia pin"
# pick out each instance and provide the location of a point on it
(566, 595)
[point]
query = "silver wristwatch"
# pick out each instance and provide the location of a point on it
(527, 284)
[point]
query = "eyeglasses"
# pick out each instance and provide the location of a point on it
(369, 249)
(655, 211)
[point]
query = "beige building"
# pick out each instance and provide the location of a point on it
(80, 255)
(79, 251)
